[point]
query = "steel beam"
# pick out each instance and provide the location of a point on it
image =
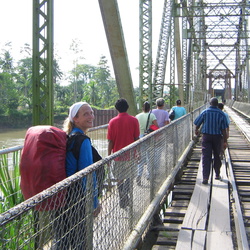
(42, 62)
(114, 33)
(162, 51)
(145, 61)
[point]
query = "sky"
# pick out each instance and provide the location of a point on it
(80, 20)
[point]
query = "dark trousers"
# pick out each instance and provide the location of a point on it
(211, 144)
(124, 191)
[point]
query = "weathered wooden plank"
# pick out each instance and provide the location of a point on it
(199, 240)
(219, 217)
(181, 210)
(219, 240)
(184, 240)
(159, 247)
(171, 225)
(197, 211)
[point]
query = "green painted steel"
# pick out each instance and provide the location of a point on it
(145, 64)
(162, 52)
(205, 57)
(114, 33)
(42, 77)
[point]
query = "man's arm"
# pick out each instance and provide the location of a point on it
(227, 132)
(197, 130)
(110, 146)
(166, 122)
(155, 123)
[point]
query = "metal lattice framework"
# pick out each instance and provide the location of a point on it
(162, 52)
(42, 78)
(213, 38)
(219, 34)
(145, 51)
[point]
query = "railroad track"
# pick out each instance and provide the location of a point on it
(237, 158)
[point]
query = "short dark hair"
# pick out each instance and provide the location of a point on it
(178, 102)
(121, 105)
(146, 106)
(220, 105)
(214, 101)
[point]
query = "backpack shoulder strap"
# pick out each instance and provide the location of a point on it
(76, 138)
(148, 120)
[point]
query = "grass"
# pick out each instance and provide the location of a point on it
(10, 182)
(15, 232)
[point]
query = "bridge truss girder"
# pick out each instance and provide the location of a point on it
(145, 51)
(42, 62)
(115, 37)
(214, 36)
(220, 37)
(162, 52)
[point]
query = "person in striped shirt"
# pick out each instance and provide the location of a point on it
(214, 124)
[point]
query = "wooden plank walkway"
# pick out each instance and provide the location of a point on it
(207, 221)
(206, 214)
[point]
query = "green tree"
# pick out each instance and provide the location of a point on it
(6, 60)
(107, 86)
(75, 47)
(9, 94)
(23, 81)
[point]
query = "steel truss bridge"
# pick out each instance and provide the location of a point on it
(202, 51)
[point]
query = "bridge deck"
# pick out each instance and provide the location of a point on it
(205, 219)
(207, 216)
(199, 215)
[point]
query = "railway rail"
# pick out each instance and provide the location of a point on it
(215, 215)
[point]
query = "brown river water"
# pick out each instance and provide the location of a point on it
(11, 137)
(15, 137)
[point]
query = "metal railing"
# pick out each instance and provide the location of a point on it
(123, 200)
(242, 107)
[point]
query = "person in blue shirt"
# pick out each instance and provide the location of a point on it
(214, 124)
(80, 119)
(221, 106)
(178, 110)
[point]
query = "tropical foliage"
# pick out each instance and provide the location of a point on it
(86, 82)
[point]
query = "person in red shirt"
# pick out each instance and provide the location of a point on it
(122, 131)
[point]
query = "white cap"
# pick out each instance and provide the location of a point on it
(74, 109)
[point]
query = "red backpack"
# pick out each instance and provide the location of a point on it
(43, 164)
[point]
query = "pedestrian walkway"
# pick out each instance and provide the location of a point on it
(207, 216)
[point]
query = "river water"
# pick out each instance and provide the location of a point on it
(11, 137)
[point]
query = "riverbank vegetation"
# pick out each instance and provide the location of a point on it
(85, 82)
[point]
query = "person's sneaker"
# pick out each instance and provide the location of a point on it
(218, 177)
(205, 182)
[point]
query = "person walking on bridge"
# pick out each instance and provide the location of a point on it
(161, 115)
(179, 111)
(122, 131)
(214, 126)
(145, 119)
(221, 106)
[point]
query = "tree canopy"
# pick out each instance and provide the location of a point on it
(91, 83)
